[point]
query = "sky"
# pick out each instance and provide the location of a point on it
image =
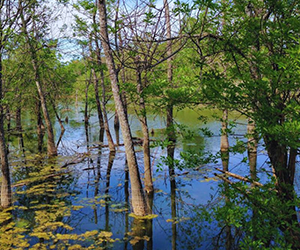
(62, 30)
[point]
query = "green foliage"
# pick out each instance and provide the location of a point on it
(254, 216)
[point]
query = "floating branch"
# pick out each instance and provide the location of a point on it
(239, 177)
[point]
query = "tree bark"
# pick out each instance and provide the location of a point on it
(51, 147)
(96, 82)
(138, 199)
(56, 114)
(103, 100)
(146, 140)
(6, 194)
(99, 109)
(252, 147)
(224, 135)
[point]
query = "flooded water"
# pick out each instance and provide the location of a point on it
(86, 204)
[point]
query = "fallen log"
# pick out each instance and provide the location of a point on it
(240, 177)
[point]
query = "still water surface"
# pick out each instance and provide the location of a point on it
(95, 191)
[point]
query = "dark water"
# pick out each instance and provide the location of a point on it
(94, 193)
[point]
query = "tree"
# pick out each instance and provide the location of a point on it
(260, 42)
(87, 27)
(32, 36)
(138, 198)
(8, 17)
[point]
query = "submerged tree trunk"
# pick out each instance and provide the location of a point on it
(252, 147)
(146, 139)
(224, 134)
(6, 194)
(138, 199)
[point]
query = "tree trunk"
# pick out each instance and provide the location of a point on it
(146, 140)
(56, 114)
(86, 104)
(19, 124)
(284, 166)
(138, 199)
(96, 86)
(170, 125)
(6, 194)
(40, 127)
(51, 147)
(224, 135)
(110, 141)
(252, 147)
(99, 109)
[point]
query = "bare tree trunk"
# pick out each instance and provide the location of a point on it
(116, 121)
(146, 140)
(170, 125)
(96, 83)
(138, 199)
(252, 147)
(224, 136)
(123, 75)
(110, 141)
(19, 124)
(86, 105)
(51, 147)
(57, 116)
(6, 194)
(40, 127)
(99, 109)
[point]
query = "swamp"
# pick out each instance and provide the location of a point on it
(153, 124)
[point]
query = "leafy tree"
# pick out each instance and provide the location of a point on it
(260, 44)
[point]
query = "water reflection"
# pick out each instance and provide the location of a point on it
(170, 153)
(107, 196)
(103, 198)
